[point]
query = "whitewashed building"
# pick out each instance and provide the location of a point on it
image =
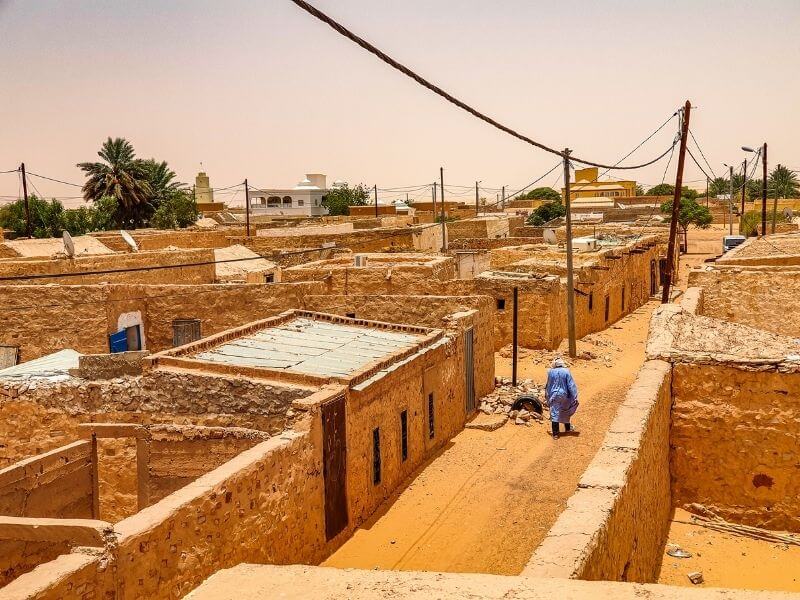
(304, 199)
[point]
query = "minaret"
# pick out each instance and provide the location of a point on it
(202, 189)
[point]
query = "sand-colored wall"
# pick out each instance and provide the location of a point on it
(615, 524)
(57, 484)
(78, 270)
(158, 240)
(734, 443)
(364, 240)
(759, 297)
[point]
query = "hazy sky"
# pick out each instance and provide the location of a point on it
(259, 89)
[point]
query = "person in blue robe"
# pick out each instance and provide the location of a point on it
(561, 394)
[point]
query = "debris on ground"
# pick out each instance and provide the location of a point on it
(677, 552)
(696, 577)
(522, 403)
(487, 422)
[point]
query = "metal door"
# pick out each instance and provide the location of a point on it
(469, 371)
(118, 342)
(334, 466)
(185, 331)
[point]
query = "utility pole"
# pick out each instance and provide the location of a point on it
(573, 351)
(375, 189)
(444, 227)
(774, 205)
(514, 340)
(503, 201)
(744, 189)
(706, 191)
(433, 195)
(764, 195)
(247, 206)
(476, 198)
(28, 229)
(676, 206)
(730, 203)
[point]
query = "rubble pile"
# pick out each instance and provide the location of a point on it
(501, 400)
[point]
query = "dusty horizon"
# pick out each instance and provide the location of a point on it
(268, 93)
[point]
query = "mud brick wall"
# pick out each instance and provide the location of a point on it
(56, 484)
(478, 228)
(615, 524)
(366, 240)
(79, 575)
(101, 262)
(734, 443)
(158, 240)
(20, 556)
(764, 297)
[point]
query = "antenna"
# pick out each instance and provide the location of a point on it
(129, 240)
(69, 245)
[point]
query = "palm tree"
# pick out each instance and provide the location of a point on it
(123, 177)
(783, 182)
(161, 180)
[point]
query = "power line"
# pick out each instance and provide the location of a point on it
(342, 30)
(56, 180)
(710, 168)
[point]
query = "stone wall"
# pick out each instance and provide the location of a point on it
(615, 525)
(734, 443)
(59, 484)
(158, 240)
(79, 269)
(759, 297)
(365, 240)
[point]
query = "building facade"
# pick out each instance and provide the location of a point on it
(304, 199)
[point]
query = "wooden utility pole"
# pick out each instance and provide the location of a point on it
(764, 193)
(514, 340)
(730, 203)
(444, 226)
(573, 350)
(247, 206)
(676, 206)
(433, 196)
(744, 190)
(503, 199)
(706, 192)
(28, 228)
(375, 189)
(476, 198)
(774, 205)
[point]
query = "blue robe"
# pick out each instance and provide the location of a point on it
(562, 395)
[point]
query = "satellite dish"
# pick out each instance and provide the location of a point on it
(788, 213)
(69, 245)
(549, 236)
(129, 240)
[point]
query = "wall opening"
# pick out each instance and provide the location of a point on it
(376, 455)
(608, 307)
(431, 417)
(404, 435)
(501, 304)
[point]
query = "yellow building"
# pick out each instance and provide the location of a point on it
(588, 187)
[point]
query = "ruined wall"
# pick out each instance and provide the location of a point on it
(742, 295)
(158, 240)
(56, 484)
(478, 228)
(18, 557)
(734, 443)
(77, 575)
(489, 244)
(36, 419)
(366, 240)
(201, 273)
(615, 524)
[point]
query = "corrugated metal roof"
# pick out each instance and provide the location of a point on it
(53, 367)
(312, 347)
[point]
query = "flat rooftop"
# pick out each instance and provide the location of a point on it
(312, 346)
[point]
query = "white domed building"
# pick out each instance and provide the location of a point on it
(304, 199)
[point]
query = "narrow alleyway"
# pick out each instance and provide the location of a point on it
(488, 499)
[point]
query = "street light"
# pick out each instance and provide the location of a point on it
(763, 189)
(730, 201)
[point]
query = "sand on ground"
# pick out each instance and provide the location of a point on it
(728, 560)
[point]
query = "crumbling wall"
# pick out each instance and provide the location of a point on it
(734, 443)
(78, 269)
(158, 240)
(58, 483)
(615, 524)
(21, 556)
(363, 240)
(80, 574)
(759, 297)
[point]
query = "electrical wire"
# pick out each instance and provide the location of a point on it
(710, 168)
(342, 30)
(52, 179)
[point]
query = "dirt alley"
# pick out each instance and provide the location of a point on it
(487, 500)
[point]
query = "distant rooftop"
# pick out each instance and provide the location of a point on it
(52, 367)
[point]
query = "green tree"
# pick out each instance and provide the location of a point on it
(783, 183)
(667, 189)
(161, 180)
(751, 221)
(46, 217)
(122, 176)
(338, 200)
(546, 212)
(691, 213)
(541, 193)
(639, 190)
(177, 210)
(719, 186)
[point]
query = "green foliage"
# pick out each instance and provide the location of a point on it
(719, 186)
(338, 200)
(546, 212)
(667, 189)
(541, 193)
(751, 222)
(691, 213)
(50, 219)
(783, 183)
(639, 190)
(177, 210)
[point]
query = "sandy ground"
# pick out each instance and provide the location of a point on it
(731, 561)
(487, 500)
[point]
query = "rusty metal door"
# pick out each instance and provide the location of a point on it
(469, 370)
(185, 331)
(334, 466)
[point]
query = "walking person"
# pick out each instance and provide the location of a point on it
(561, 394)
